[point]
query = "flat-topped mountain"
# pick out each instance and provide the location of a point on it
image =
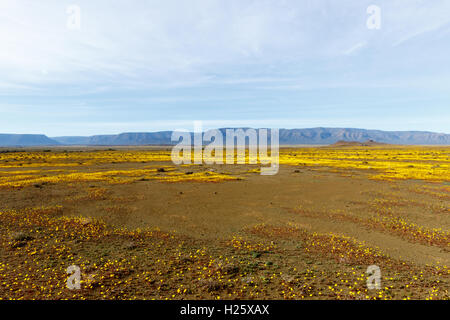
(26, 140)
(333, 135)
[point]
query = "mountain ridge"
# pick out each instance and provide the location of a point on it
(313, 136)
(319, 135)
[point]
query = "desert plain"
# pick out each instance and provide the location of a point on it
(139, 227)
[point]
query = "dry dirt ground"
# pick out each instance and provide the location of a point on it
(305, 233)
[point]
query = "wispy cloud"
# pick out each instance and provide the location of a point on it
(355, 48)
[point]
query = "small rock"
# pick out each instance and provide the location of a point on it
(211, 285)
(287, 278)
(20, 239)
(21, 236)
(130, 245)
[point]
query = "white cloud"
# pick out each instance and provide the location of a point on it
(146, 43)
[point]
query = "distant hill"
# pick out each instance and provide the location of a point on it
(315, 136)
(25, 140)
(367, 143)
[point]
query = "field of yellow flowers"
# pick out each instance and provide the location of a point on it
(139, 227)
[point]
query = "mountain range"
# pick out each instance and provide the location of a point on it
(315, 136)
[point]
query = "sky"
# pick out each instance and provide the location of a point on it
(84, 67)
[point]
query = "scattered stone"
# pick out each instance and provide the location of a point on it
(20, 239)
(211, 285)
(21, 236)
(287, 278)
(130, 245)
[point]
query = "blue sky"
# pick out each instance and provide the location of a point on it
(140, 65)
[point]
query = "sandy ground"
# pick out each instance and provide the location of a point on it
(220, 210)
(314, 200)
